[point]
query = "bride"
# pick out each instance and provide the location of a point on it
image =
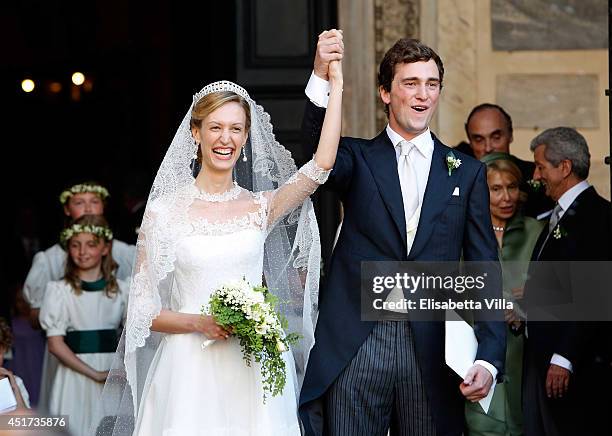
(246, 214)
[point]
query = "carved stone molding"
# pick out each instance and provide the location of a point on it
(393, 19)
(370, 27)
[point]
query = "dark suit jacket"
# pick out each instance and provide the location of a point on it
(565, 277)
(365, 176)
(586, 236)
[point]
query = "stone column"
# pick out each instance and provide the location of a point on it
(356, 19)
(370, 28)
(394, 19)
(457, 46)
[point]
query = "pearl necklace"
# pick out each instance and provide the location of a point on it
(499, 228)
(230, 194)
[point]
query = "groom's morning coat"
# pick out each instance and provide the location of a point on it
(374, 229)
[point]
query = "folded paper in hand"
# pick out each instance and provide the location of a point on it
(460, 350)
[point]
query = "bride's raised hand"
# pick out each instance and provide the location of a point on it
(207, 325)
(335, 73)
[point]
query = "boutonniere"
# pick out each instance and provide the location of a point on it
(452, 162)
(534, 184)
(559, 232)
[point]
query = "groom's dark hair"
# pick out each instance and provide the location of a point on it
(406, 51)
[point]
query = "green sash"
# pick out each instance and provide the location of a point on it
(92, 341)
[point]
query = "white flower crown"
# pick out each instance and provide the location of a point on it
(78, 189)
(99, 231)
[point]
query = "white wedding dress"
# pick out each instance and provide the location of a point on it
(191, 390)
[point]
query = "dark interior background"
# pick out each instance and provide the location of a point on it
(143, 62)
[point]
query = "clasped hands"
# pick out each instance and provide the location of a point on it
(330, 48)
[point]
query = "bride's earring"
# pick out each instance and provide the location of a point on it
(195, 153)
(244, 158)
(195, 164)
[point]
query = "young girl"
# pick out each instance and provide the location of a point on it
(88, 198)
(81, 314)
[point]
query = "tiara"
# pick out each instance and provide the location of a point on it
(223, 85)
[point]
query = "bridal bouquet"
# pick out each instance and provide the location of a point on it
(249, 313)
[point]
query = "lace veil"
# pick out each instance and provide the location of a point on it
(291, 258)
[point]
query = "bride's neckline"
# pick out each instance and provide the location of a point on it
(230, 194)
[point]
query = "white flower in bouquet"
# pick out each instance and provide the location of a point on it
(250, 313)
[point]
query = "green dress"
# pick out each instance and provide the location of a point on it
(505, 416)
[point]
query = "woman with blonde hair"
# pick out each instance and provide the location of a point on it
(516, 235)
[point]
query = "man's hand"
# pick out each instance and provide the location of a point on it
(512, 318)
(477, 383)
(330, 47)
(518, 293)
(557, 381)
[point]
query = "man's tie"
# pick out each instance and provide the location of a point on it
(554, 218)
(410, 190)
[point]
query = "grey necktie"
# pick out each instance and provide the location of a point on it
(554, 218)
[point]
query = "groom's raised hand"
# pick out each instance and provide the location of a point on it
(330, 47)
(477, 383)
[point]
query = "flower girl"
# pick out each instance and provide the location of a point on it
(82, 314)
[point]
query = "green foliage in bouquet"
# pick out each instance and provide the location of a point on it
(250, 314)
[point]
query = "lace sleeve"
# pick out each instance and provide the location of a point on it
(290, 195)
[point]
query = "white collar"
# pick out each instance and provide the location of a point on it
(568, 197)
(423, 142)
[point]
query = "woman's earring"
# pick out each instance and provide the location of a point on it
(195, 153)
(244, 158)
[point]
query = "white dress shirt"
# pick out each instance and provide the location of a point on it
(317, 90)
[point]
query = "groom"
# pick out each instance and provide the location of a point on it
(400, 203)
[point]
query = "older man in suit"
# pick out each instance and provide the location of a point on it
(566, 376)
(401, 202)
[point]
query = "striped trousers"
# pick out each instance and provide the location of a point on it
(381, 389)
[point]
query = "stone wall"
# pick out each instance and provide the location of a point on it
(545, 83)
(370, 28)
(539, 88)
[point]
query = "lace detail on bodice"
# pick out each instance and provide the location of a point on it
(250, 220)
(230, 194)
